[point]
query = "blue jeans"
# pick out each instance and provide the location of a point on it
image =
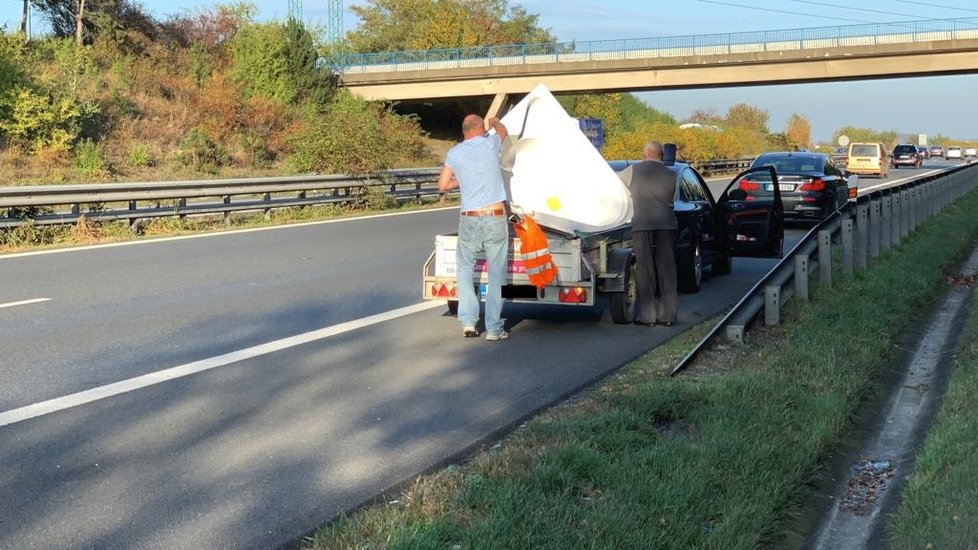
(489, 234)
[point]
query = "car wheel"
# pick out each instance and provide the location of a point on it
(690, 269)
(623, 303)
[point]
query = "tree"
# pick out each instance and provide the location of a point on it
(865, 135)
(748, 117)
(77, 17)
(394, 25)
(798, 132)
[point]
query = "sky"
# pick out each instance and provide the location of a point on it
(929, 105)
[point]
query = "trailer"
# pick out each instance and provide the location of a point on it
(587, 266)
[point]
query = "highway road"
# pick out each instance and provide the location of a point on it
(236, 390)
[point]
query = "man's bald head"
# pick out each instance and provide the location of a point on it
(473, 125)
(653, 151)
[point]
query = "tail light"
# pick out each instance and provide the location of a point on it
(814, 185)
(576, 295)
(747, 185)
(444, 290)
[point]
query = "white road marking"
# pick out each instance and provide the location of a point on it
(891, 183)
(95, 394)
(216, 233)
(24, 302)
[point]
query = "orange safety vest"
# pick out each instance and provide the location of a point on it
(536, 255)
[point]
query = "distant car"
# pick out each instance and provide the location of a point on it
(937, 151)
(923, 152)
(811, 185)
(970, 152)
(905, 155)
(714, 230)
(953, 153)
(867, 159)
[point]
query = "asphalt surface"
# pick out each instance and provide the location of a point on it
(267, 445)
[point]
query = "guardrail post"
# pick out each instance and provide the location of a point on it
(181, 204)
(862, 235)
(914, 208)
(267, 197)
(895, 219)
(905, 206)
(772, 305)
(75, 209)
(801, 276)
(874, 228)
(825, 257)
(227, 213)
(847, 247)
(132, 208)
(886, 224)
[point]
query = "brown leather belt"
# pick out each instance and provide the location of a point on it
(496, 212)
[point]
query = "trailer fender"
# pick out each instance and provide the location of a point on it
(619, 260)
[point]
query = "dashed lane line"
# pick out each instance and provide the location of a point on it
(25, 302)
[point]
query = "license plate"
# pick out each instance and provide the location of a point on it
(781, 186)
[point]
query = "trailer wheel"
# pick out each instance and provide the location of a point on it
(623, 303)
(453, 307)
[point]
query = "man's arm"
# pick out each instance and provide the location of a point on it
(501, 130)
(446, 179)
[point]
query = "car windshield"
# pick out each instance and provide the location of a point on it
(864, 151)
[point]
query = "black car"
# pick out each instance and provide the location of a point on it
(713, 231)
(906, 155)
(811, 185)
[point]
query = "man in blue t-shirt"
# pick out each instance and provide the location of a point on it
(472, 166)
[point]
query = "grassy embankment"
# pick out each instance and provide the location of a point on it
(940, 500)
(723, 456)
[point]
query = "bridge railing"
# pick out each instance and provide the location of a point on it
(665, 46)
(66, 204)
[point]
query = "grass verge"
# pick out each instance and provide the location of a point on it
(721, 457)
(940, 500)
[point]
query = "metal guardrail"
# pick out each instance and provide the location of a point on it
(135, 201)
(864, 228)
(667, 46)
(183, 198)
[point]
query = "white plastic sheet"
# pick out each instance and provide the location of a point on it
(554, 172)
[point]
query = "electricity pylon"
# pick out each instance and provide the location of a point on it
(295, 10)
(334, 21)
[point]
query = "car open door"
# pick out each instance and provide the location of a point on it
(751, 222)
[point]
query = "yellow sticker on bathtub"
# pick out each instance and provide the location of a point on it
(553, 203)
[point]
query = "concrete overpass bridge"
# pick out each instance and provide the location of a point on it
(851, 52)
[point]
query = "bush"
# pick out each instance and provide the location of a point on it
(356, 137)
(138, 156)
(90, 159)
(201, 152)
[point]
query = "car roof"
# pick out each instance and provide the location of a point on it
(619, 165)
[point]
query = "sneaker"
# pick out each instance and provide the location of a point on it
(469, 332)
(494, 336)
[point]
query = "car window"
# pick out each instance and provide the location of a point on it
(789, 164)
(692, 188)
(864, 150)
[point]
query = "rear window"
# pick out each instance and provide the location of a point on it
(864, 150)
(904, 150)
(787, 164)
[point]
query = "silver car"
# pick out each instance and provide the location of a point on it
(953, 153)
